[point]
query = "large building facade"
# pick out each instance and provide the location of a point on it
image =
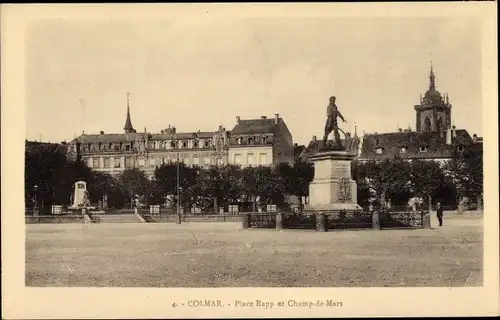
(251, 142)
(260, 142)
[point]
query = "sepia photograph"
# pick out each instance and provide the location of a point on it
(202, 147)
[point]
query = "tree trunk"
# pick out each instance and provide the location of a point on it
(382, 198)
(216, 207)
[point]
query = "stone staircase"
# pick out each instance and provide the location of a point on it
(119, 218)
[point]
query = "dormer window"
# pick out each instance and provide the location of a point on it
(264, 139)
(172, 144)
(460, 148)
(184, 144)
(403, 149)
(423, 149)
(379, 150)
(195, 144)
(127, 148)
(206, 143)
(250, 140)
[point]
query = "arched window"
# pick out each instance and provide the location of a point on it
(439, 124)
(427, 124)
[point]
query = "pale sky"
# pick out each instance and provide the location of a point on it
(198, 74)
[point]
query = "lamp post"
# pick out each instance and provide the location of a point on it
(178, 187)
(35, 209)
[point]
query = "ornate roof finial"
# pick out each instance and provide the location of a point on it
(128, 123)
(432, 78)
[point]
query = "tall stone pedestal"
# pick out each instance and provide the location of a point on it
(332, 187)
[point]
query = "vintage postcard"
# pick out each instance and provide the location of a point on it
(249, 160)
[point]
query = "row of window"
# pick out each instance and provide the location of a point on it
(403, 150)
(156, 145)
(127, 162)
(252, 140)
(251, 159)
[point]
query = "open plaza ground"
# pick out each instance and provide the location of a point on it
(224, 255)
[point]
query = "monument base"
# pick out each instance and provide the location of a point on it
(332, 188)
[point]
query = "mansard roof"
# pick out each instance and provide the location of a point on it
(107, 138)
(392, 142)
(256, 126)
(182, 135)
(132, 136)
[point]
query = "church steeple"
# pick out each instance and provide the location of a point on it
(432, 78)
(128, 123)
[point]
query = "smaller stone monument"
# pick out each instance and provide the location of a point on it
(80, 198)
(79, 195)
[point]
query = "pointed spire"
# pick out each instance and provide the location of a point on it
(128, 123)
(432, 78)
(420, 97)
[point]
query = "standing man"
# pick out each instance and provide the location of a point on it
(439, 211)
(331, 123)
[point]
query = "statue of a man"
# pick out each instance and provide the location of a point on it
(331, 122)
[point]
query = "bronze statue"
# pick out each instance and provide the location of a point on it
(331, 123)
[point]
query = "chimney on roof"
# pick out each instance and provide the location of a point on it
(161, 131)
(220, 128)
(295, 144)
(263, 117)
(448, 136)
(276, 118)
(400, 130)
(314, 138)
(238, 120)
(453, 132)
(474, 138)
(101, 132)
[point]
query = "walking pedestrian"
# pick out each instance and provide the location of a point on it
(439, 211)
